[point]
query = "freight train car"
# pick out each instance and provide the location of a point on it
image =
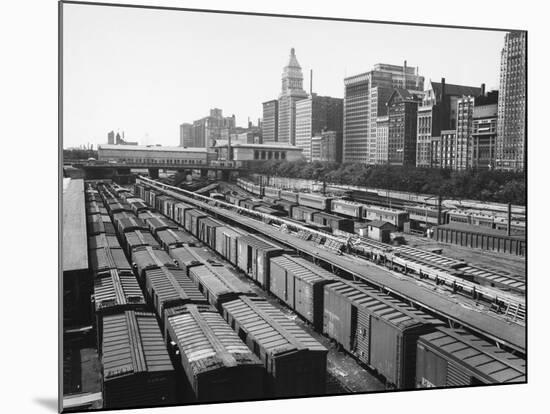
(100, 223)
(299, 284)
(145, 258)
(295, 361)
(334, 222)
(289, 195)
(253, 254)
(303, 213)
(137, 370)
(378, 329)
(347, 208)
(170, 238)
(167, 288)
(226, 242)
(207, 230)
(451, 357)
(179, 212)
(391, 215)
(217, 364)
(105, 259)
(192, 220)
(139, 238)
(317, 201)
(103, 240)
(272, 192)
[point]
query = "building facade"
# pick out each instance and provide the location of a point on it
(316, 148)
(382, 123)
(186, 135)
(257, 152)
(330, 149)
(402, 126)
(438, 112)
(207, 130)
(464, 125)
(443, 149)
(270, 122)
(511, 134)
(111, 137)
(313, 115)
(291, 92)
(365, 99)
(484, 136)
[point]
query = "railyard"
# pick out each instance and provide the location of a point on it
(145, 218)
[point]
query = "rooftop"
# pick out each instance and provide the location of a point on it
(261, 146)
(75, 247)
(148, 148)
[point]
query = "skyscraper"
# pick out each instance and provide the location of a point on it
(511, 137)
(186, 135)
(313, 115)
(365, 100)
(292, 91)
(270, 121)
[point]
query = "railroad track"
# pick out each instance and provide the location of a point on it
(439, 277)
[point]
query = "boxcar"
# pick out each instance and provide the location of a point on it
(100, 223)
(226, 242)
(127, 224)
(289, 195)
(378, 329)
(318, 201)
(137, 370)
(271, 211)
(115, 293)
(175, 238)
(94, 207)
(206, 230)
(183, 257)
(179, 212)
(103, 240)
(396, 217)
(146, 215)
(160, 200)
(286, 205)
(272, 192)
(139, 238)
(253, 254)
(299, 284)
(167, 288)
(295, 361)
(218, 283)
(302, 213)
(334, 222)
(192, 219)
(118, 207)
(137, 205)
(160, 223)
(451, 357)
(347, 208)
(105, 259)
(144, 258)
(217, 364)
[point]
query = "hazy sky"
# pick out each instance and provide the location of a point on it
(148, 71)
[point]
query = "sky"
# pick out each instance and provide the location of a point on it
(145, 71)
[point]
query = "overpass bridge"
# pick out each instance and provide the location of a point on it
(120, 171)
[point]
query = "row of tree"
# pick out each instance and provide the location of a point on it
(79, 154)
(496, 186)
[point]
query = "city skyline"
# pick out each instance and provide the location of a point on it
(148, 70)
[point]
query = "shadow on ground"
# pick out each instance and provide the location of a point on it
(49, 403)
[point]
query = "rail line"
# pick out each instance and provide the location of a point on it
(438, 277)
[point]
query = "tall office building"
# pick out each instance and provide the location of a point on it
(313, 115)
(484, 131)
(438, 112)
(186, 135)
(270, 121)
(292, 91)
(365, 100)
(382, 139)
(511, 153)
(211, 128)
(402, 126)
(111, 137)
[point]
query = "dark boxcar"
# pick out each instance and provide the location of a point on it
(218, 283)
(226, 242)
(217, 364)
(131, 224)
(183, 257)
(100, 223)
(170, 238)
(119, 207)
(103, 240)
(299, 284)
(286, 205)
(167, 288)
(334, 222)
(116, 293)
(452, 357)
(105, 259)
(157, 224)
(295, 361)
(192, 219)
(253, 254)
(139, 238)
(207, 230)
(137, 370)
(144, 258)
(302, 213)
(380, 330)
